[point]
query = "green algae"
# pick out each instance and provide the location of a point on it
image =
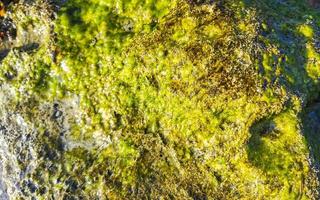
(200, 100)
(306, 30)
(274, 148)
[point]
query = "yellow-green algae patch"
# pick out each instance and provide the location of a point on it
(274, 148)
(198, 99)
(306, 30)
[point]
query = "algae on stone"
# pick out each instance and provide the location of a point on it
(167, 99)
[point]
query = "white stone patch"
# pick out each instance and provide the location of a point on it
(64, 66)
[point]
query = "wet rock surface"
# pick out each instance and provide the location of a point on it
(311, 127)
